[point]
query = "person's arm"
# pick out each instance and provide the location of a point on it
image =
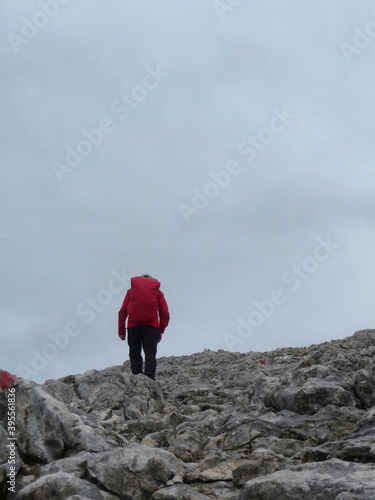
(163, 312)
(122, 315)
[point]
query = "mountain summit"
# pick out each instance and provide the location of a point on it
(287, 424)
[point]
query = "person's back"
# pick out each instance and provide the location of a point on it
(143, 300)
(147, 312)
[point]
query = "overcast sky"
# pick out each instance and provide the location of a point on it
(226, 147)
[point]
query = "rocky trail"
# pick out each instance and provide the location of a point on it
(293, 423)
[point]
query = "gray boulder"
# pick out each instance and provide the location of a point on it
(319, 481)
(60, 486)
(364, 385)
(289, 423)
(133, 472)
(310, 397)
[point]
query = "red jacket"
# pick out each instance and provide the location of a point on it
(144, 304)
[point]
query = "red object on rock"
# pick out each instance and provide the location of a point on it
(6, 380)
(262, 361)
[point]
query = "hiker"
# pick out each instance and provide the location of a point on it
(148, 316)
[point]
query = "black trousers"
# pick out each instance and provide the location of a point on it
(143, 337)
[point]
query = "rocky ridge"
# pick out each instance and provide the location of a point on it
(287, 424)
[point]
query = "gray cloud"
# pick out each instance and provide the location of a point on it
(116, 207)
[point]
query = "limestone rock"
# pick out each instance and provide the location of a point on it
(364, 385)
(178, 491)
(133, 472)
(310, 397)
(60, 486)
(286, 424)
(320, 481)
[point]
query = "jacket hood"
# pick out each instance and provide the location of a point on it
(142, 280)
